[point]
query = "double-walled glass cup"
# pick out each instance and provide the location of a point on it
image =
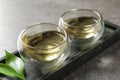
(45, 43)
(84, 27)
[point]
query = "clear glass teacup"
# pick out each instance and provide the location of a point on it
(84, 26)
(45, 43)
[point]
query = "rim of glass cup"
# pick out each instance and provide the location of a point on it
(29, 27)
(73, 10)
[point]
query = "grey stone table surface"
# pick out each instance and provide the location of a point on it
(15, 15)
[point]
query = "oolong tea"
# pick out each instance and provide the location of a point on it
(82, 27)
(44, 46)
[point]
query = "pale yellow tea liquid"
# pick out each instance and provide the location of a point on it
(45, 46)
(82, 27)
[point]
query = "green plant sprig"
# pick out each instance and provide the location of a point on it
(13, 66)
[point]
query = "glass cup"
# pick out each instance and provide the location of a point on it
(45, 43)
(84, 27)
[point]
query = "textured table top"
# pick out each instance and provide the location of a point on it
(106, 66)
(15, 15)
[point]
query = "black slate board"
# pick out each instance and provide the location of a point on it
(111, 36)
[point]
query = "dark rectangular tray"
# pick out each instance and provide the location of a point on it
(111, 36)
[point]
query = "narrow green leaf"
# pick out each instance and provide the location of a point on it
(15, 62)
(7, 70)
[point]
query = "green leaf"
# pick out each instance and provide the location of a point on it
(7, 70)
(15, 62)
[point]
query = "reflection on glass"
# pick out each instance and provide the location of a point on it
(84, 26)
(45, 43)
